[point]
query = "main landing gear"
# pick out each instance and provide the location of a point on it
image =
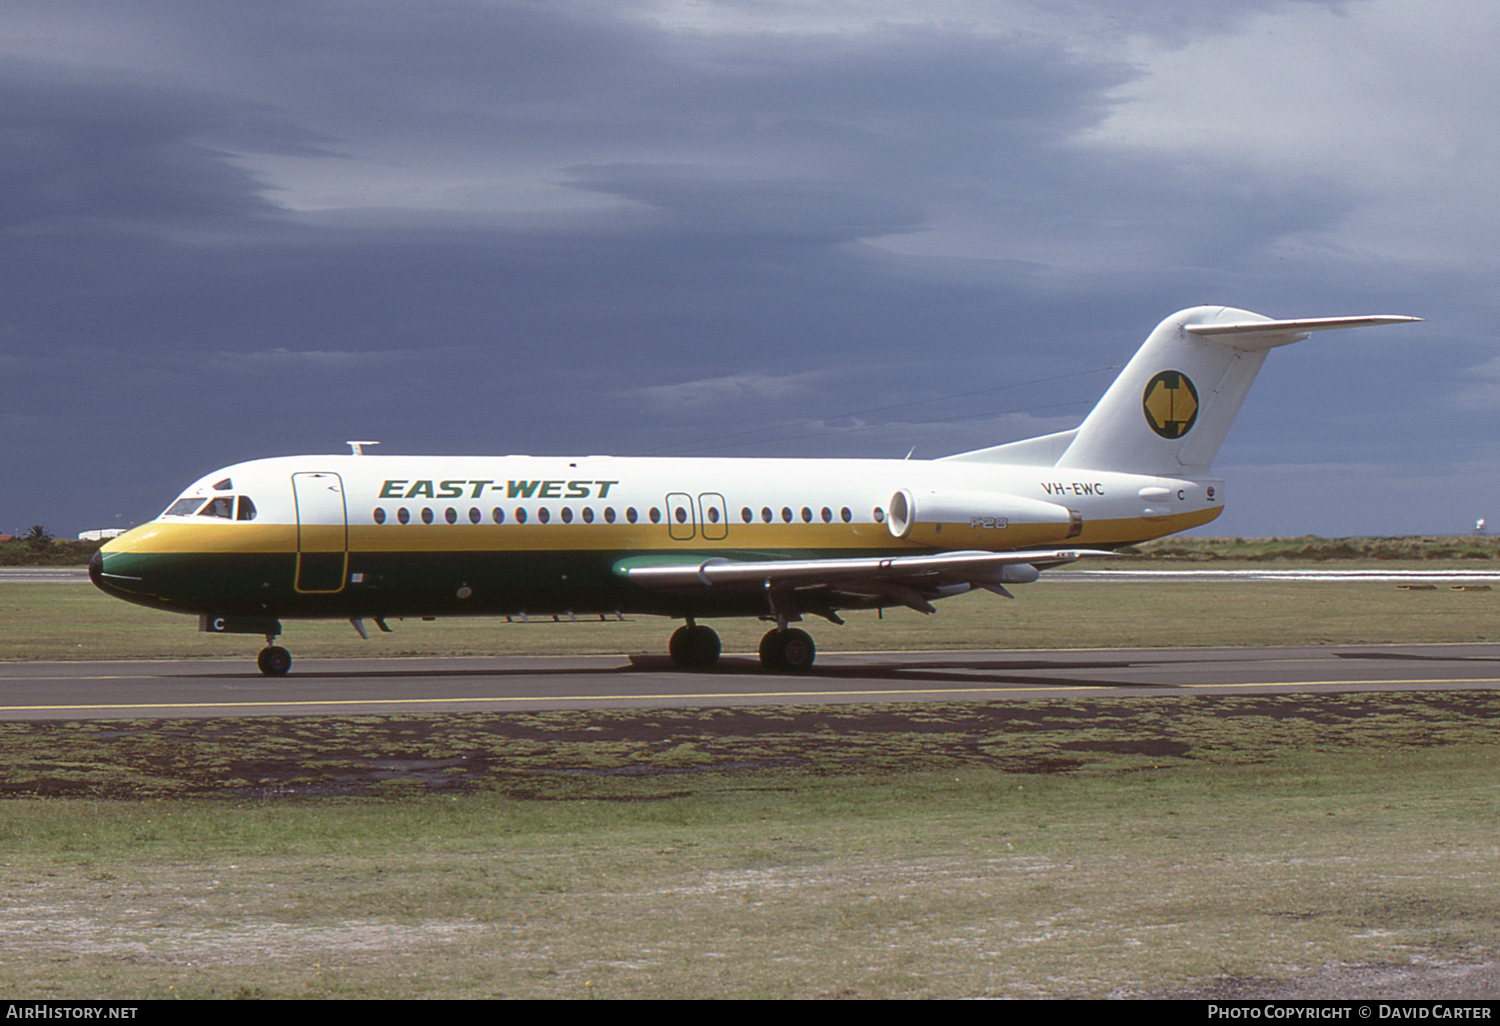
(782, 650)
(694, 646)
(787, 650)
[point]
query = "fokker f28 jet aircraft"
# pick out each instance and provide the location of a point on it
(375, 537)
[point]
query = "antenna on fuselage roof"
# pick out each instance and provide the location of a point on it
(357, 448)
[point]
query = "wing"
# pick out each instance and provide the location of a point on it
(819, 584)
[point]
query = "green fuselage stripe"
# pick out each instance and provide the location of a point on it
(450, 583)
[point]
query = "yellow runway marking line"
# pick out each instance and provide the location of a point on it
(1324, 683)
(535, 698)
(112, 676)
(1050, 689)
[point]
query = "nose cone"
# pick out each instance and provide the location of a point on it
(122, 580)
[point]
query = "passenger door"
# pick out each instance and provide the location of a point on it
(322, 532)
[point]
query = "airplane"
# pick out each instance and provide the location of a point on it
(367, 537)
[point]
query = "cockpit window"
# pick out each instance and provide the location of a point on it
(223, 506)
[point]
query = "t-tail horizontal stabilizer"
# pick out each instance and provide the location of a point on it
(1249, 334)
(1170, 408)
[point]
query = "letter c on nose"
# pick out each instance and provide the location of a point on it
(219, 623)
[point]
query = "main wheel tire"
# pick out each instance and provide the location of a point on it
(697, 646)
(274, 661)
(787, 651)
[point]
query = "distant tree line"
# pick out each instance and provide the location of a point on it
(36, 547)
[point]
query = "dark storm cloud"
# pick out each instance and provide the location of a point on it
(827, 212)
(240, 230)
(90, 150)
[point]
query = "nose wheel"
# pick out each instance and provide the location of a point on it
(274, 661)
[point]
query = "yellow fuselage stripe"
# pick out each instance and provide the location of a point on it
(230, 536)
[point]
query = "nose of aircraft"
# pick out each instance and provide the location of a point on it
(116, 584)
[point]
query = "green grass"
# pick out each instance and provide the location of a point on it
(1309, 548)
(1285, 836)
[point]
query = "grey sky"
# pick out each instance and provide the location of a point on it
(241, 230)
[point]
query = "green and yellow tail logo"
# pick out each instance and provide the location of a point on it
(1170, 403)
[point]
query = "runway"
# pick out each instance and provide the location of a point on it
(1443, 574)
(204, 688)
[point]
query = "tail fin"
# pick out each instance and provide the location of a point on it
(1172, 405)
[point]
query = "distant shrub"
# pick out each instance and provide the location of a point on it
(24, 552)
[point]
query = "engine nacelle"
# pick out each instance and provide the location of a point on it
(981, 516)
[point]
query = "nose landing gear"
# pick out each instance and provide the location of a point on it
(274, 661)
